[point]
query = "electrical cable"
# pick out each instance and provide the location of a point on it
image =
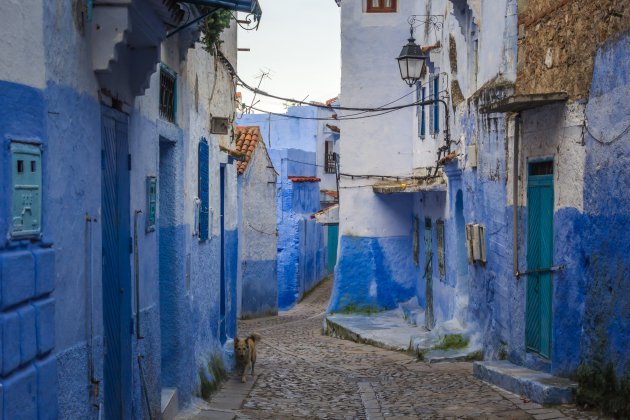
(604, 142)
(325, 118)
(232, 71)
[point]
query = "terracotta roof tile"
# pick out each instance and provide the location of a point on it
(247, 139)
(304, 179)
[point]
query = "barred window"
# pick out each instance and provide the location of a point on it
(330, 162)
(168, 91)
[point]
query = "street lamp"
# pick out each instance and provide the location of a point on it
(411, 61)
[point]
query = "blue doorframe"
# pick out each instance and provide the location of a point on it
(539, 257)
(333, 241)
(116, 279)
(223, 294)
(428, 274)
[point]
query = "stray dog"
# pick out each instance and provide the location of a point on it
(245, 349)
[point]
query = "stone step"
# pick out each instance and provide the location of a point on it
(170, 403)
(412, 313)
(539, 387)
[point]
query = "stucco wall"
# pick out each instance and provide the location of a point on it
(258, 237)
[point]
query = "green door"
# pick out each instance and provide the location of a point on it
(333, 238)
(539, 258)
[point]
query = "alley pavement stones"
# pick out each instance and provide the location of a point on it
(304, 374)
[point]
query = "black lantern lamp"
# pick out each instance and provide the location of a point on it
(411, 61)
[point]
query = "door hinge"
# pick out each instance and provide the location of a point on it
(102, 159)
(130, 244)
(131, 325)
(129, 161)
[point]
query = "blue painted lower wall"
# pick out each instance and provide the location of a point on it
(28, 368)
(260, 288)
(302, 251)
(373, 273)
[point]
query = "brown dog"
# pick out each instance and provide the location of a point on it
(245, 350)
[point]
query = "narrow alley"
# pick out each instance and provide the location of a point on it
(301, 373)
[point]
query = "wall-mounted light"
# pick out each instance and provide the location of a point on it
(412, 58)
(411, 61)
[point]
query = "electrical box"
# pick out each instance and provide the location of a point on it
(472, 155)
(26, 178)
(151, 203)
(219, 125)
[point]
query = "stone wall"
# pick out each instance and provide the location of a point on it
(558, 40)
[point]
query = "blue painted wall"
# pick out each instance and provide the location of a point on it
(28, 372)
(301, 246)
(604, 255)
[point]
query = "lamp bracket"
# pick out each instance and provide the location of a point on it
(431, 23)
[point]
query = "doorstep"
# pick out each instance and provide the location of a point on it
(536, 386)
(169, 403)
(396, 330)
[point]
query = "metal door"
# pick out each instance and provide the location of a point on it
(428, 275)
(223, 314)
(116, 270)
(333, 239)
(539, 258)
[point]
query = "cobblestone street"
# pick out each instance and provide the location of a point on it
(303, 374)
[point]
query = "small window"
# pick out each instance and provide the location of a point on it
(168, 90)
(436, 105)
(20, 166)
(381, 6)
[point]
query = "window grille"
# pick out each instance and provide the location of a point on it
(330, 164)
(168, 88)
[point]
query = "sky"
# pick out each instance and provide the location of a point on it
(298, 43)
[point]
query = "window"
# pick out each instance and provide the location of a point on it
(421, 96)
(329, 156)
(168, 90)
(381, 6)
(434, 110)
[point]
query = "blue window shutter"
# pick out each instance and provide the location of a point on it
(204, 189)
(431, 107)
(423, 128)
(436, 105)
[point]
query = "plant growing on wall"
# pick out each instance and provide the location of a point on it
(213, 26)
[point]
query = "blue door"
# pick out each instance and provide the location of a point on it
(223, 314)
(539, 258)
(116, 278)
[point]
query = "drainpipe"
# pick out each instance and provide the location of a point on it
(517, 134)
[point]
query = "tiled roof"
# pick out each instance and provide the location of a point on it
(247, 138)
(304, 179)
(333, 128)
